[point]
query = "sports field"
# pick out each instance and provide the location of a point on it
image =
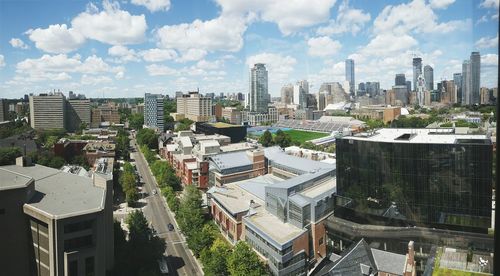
(302, 136)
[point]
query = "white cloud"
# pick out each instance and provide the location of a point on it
(487, 42)
(119, 75)
(388, 44)
(223, 33)
(415, 16)
(279, 67)
(122, 53)
(156, 55)
(290, 16)
(192, 55)
(153, 5)
(490, 4)
(94, 80)
(56, 39)
(349, 20)
(111, 25)
(208, 65)
(160, 70)
(18, 43)
(323, 46)
(2, 61)
(441, 4)
(489, 60)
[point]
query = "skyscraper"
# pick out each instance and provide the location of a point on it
(287, 93)
(300, 93)
(408, 85)
(400, 79)
(417, 71)
(457, 79)
(47, 111)
(429, 78)
(475, 70)
(153, 111)
(349, 75)
(466, 83)
(258, 95)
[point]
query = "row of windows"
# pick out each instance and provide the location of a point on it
(257, 236)
(78, 226)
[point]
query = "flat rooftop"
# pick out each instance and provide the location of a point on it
(58, 194)
(419, 136)
(321, 189)
(12, 180)
(223, 125)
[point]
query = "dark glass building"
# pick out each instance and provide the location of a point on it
(419, 177)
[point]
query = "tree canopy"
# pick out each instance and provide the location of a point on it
(244, 262)
(147, 137)
(266, 139)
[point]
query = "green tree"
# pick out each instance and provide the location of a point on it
(147, 137)
(202, 239)
(243, 261)
(282, 139)
(190, 214)
(8, 155)
(266, 139)
(215, 258)
(136, 121)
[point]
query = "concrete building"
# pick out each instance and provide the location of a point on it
(400, 79)
(417, 71)
(231, 167)
(457, 79)
(485, 95)
(106, 114)
(300, 95)
(401, 95)
(77, 113)
(378, 112)
(280, 214)
(429, 77)
(475, 71)
(237, 133)
(4, 110)
(258, 95)
(47, 111)
(195, 107)
(232, 114)
(138, 109)
(153, 112)
(59, 223)
(466, 83)
(349, 75)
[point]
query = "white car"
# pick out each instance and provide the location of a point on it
(154, 192)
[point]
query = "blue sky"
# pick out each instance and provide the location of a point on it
(129, 47)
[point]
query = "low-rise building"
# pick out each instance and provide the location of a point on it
(237, 133)
(232, 114)
(378, 112)
(94, 150)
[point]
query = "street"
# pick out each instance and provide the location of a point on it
(179, 258)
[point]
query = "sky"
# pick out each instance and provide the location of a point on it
(129, 47)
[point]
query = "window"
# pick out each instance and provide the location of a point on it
(76, 243)
(73, 268)
(78, 226)
(89, 266)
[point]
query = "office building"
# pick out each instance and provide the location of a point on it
(4, 111)
(466, 83)
(258, 96)
(475, 77)
(401, 95)
(153, 111)
(457, 79)
(195, 107)
(417, 71)
(237, 133)
(424, 177)
(429, 77)
(420, 91)
(58, 223)
(400, 79)
(408, 85)
(377, 112)
(372, 88)
(232, 114)
(47, 111)
(77, 113)
(349, 75)
(485, 95)
(105, 115)
(299, 95)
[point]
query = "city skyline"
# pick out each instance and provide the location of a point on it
(177, 45)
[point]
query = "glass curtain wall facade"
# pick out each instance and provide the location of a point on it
(435, 185)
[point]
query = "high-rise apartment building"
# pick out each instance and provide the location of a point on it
(287, 94)
(429, 77)
(195, 107)
(475, 70)
(153, 111)
(457, 79)
(408, 85)
(106, 113)
(417, 71)
(299, 96)
(466, 83)
(400, 79)
(349, 75)
(77, 113)
(4, 110)
(258, 96)
(47, 111)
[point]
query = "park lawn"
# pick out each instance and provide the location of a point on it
(301, 136)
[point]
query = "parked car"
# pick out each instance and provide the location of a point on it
(170, 227)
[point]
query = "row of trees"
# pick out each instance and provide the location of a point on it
(184, 124)
(138, 255)
(122, 145)
(281, 139)
(128, 182)
(147, 137)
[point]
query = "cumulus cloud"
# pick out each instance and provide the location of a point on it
(290, 17)
(2, 61)
(279, 67)
(487, 42)
(111, 25)
(18, 43)
(223, 33)
(192, 55)
(153, 5)
(94, 80)
(489, 60)
(441, 4)
(122, 53)
(489, 4)
(56, 39)
(388, 44)
(349, 20)
(157, 55)
(323, 46)
(160, 70)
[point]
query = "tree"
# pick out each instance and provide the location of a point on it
(8, 155)
(147, 137)
(190, 214)
(244, 262)
(215, 258)
(266, 139)
(136, 121)
(282, 139)
(202, 239)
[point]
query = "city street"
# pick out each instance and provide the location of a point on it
(179, 258)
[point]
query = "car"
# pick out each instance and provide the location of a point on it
(170, 227)
(154, 192)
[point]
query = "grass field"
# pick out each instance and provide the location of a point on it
(302, 136)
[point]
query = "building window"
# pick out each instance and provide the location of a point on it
(73, 268)
(76, 243)
(78, 226)
(89, 266)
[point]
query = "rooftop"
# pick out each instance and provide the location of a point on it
(231, 160)
(13, 180)
(223, 125)
(420, 136)
(277, 155)
(58, 194)
(237, 147)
